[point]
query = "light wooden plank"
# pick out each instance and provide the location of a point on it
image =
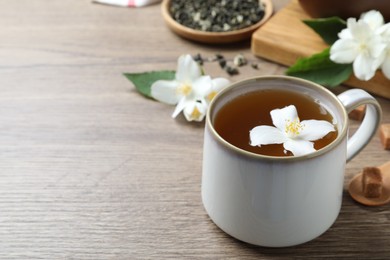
(285, 38)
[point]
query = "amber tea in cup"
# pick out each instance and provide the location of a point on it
(241, 114)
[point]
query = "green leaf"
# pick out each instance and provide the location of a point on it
(320, 69)
(327, 28)
(143, 81)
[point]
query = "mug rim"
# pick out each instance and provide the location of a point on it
(341, 133)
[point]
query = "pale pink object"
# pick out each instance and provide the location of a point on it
(127, 3)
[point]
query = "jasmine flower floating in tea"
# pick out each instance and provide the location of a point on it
(295, 135)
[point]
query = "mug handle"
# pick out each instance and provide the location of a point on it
(352, 99)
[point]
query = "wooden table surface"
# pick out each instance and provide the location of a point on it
(90, 169)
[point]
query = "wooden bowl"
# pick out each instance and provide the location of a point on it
(214, 37)
(345, 8)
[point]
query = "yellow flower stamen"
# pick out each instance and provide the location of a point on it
(184, 90)
(196, 113)
(211, 95)
(293, 128)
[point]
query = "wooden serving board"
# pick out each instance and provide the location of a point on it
(285, 38)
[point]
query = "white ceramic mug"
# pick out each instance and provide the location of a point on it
(281, 201)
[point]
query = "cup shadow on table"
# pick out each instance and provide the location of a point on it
(356, 233)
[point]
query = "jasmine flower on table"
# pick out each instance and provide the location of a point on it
(190, 91)
(295, 135)
(361, 44)
(366, 44)
(385, 33)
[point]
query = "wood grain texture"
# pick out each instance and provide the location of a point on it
(90, 169)
(285, 39)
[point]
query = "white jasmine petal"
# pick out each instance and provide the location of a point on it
(202, 86)
(384, 31)
(180, 106)
(344, 51)
(360, 30)
(345, 34)
(165, 91)
(195, 111)
(220, 83)
(386, 65)
(299, 147)
(363, 67)
(376, 47)
(373, 18)
(263, 135)
(315, 129)
(280, 117)
(187, 69)
(217, 85)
